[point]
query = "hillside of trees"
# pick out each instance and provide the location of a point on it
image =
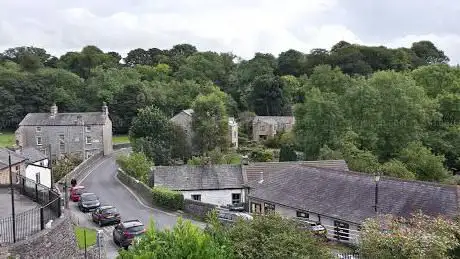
(382, 109)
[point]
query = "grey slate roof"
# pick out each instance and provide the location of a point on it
(190, 177)
(15, 158)
(350, 196)
(33, 155)
(63, 119)
(252, 171)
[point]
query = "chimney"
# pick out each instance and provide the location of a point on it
(261, 177)
(244, 160)
(105, 109)
(54, 110)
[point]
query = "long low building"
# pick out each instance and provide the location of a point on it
(342, 200)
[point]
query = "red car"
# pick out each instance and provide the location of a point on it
(75, 192)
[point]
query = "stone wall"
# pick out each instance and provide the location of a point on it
(121, 145)
(137, 186)
(197, 208)
(56, 242)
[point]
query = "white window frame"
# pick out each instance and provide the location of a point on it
(38, 129)
(39, 143)
(88, 128)
(90, 140)
(196, 196)
(234, 200)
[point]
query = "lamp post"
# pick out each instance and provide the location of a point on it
(377, 179)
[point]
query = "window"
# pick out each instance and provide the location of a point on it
(39, 141)
(88, 140)
(236, 198)
(38, 129)
(256, 208)
(62, 147)
(301, 214)
(17, 168)
(61, 137)
(196, 197)
(269, 208)
(262, 127)
(88, 128)
(341, 230)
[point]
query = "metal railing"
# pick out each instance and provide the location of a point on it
(22, 225)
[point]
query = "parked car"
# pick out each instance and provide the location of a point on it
(106, 215)
(126, 231)
(234, 207)
(88, 202)
(75, 192)
(230, 217)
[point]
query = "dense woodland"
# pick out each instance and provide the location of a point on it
(381, 109)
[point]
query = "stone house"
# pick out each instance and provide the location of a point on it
(215, 184)
(268, 126)
(184, 120)
(17, 165)
(342, 200)
(83, 134)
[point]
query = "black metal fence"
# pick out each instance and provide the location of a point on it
(27, 223)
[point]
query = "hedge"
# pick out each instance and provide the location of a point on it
(168, 199)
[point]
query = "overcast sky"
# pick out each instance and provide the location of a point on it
(240, 26)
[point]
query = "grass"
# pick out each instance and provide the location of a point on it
(80, 236)
(6, 139)
(120, 139)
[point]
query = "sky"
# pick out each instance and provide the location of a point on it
(239, 26)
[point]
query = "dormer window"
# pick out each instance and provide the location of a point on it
(88, 128)
(38, 129)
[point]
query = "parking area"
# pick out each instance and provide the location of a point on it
(21, 203)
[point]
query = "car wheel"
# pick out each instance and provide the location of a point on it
(100, 223)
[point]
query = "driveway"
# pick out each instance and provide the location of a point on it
(102, 181)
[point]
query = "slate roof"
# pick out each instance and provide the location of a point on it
(252, 171)
(190, 177)
(63, 119)
(15, 158)
(33, 155)
(350, 196)
(275, 119)
(189, 112)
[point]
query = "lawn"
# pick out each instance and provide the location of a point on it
(80, 236)
(6, 139)
(120, 139)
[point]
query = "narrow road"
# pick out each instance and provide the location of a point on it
(102, 181)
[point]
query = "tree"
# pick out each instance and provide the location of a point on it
(153, 134)
(291, 62)
(268, 98)
(210, 122)
(287, 153)
(268, 236)
(418, 236)
(184, 240)
(397, 169)
(428, 52)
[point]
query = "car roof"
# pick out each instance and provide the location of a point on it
(132, 223)
(104, 207)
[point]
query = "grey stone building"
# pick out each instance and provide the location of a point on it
(83, 134)
(268, 126)
(184, 120)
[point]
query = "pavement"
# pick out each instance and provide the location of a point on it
(102, 181)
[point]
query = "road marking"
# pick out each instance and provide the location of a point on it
(140, 201)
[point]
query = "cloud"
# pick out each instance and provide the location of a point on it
(242, 27)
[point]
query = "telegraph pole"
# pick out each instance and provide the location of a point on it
(50, 166)
(12, 197)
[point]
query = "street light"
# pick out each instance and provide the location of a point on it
(377, 179)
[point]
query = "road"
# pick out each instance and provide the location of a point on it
(102, 181)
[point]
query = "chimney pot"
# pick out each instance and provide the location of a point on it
(105, 109)
(54, 109)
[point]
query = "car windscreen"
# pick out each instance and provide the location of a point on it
(110, 211)
(89, 198)
(135, 229)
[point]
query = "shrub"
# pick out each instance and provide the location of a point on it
(136, 165)
(261, 155)
(168, 199)
(287, 153)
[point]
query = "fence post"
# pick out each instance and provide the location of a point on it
(36, 192)
(59, 207)
(84, 237)
(42, 219)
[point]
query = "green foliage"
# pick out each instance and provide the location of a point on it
(261, 155)
(82, 233)
(270, 236)
(397, 169)
(168, 199)
(287, 153)
(184, 240)
(136, 165)
(64, 166)
(419, 236)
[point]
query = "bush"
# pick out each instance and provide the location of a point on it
(136, 165)
(287, 153)
(261, 155)
(168, 199)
